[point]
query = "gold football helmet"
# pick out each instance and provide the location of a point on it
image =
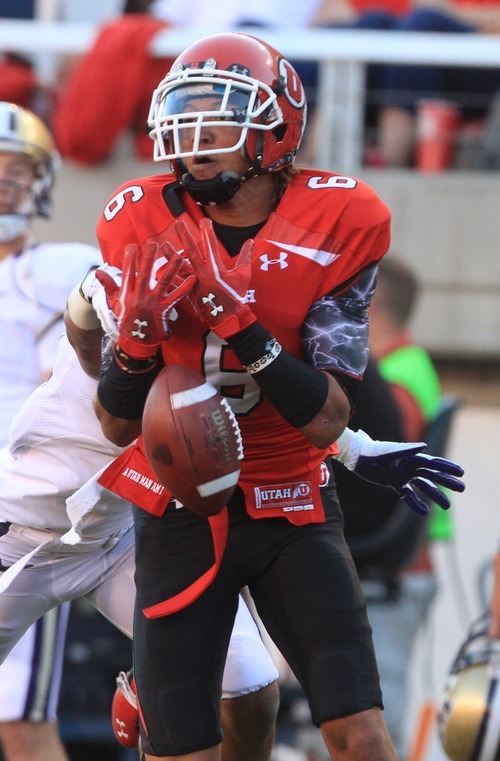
(469, 714)
(23, 132)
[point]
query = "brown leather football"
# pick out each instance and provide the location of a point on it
(192, 439)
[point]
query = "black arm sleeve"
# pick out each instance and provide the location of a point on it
(295, 389)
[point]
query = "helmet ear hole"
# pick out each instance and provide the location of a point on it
(279, 132)
(280, 86)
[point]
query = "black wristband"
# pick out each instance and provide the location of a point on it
(293, 387)
(123, 393)
(132, 365)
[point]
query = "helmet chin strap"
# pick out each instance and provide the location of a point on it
(224, 186)
(219, 189)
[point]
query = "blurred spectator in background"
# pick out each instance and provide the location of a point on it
(35, 281)
(470, 88)
(409, 369)
(18, 80)
(403, 363)
(118, 71)
(393, 91)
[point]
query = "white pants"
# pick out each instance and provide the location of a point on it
(30, 676)
(105, 576)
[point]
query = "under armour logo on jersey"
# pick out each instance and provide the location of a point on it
(120, 730)
(210, 300)
(266, 261)
(141, 324)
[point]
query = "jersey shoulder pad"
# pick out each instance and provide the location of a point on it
(57, 268)
(135, 211)
(138, 187)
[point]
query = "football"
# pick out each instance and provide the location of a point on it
(192, 439)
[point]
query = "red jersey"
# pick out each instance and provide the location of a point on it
(325, 231)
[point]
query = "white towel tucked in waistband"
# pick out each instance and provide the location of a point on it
(79, 504)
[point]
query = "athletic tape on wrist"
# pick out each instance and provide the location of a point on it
(81, 312)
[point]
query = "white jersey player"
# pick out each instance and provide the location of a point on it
(63, 536)
(35, 280)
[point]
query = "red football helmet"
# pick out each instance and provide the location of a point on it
(247, 85)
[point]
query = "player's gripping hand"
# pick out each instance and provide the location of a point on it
(124, 712)
(143, 303)
(219, 296)
(402, 467)
(105, 307)
(88, 306)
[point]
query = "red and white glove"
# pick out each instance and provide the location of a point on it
(219, 296)
(124, 712)
(144, 302)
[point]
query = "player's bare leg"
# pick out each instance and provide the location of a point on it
(361, 737)
(249, 725)
(31, 741)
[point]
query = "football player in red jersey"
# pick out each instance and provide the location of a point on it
(271, 270)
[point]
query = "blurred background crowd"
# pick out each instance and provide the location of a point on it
(404, 105)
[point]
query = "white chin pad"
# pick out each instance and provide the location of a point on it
(13, 225)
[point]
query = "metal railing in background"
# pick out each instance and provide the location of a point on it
(342, 56)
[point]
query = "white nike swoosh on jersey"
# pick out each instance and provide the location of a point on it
(320, 256)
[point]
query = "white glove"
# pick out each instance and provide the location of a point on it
(353, 444)
(95, 294)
